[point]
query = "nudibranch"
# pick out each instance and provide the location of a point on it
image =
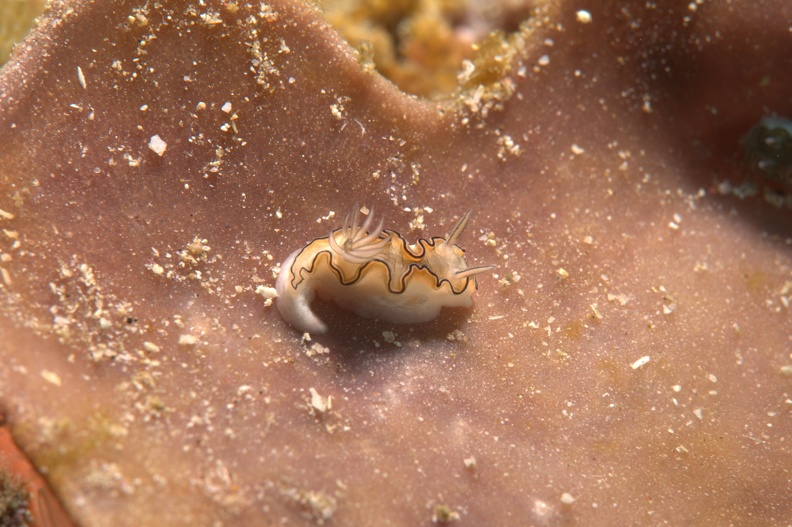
(376, 274)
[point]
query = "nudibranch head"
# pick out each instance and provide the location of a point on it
(376, 274)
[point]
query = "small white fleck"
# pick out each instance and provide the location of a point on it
(712, 378)
(319, 403)
(583, 16)
(467, 71)
(81, 77)
(187, 340)
(390, 338)
(621, 298)
(51, 377)
(677, 388)
(226, 107)
(567, 498)
(544, 60)
(157, 145)
(576, 150)
(151, 347)
(267, 292)
(640, 362)
(698, 414)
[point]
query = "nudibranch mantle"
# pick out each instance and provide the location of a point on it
(376, 274)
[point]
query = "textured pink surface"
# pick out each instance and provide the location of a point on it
(140, 367)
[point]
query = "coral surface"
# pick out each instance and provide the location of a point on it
(629, 362)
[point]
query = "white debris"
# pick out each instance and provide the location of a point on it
(583, 16)
(621, 298)
(640, 362)
(467, 71)
(51, 377)
(81, 77)
(157, 145)
(319, 403)
(390, 338)
(567, 498)
(187, 340)
(268, 293)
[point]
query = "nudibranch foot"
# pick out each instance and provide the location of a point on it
(376, 274)
(295, 304)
